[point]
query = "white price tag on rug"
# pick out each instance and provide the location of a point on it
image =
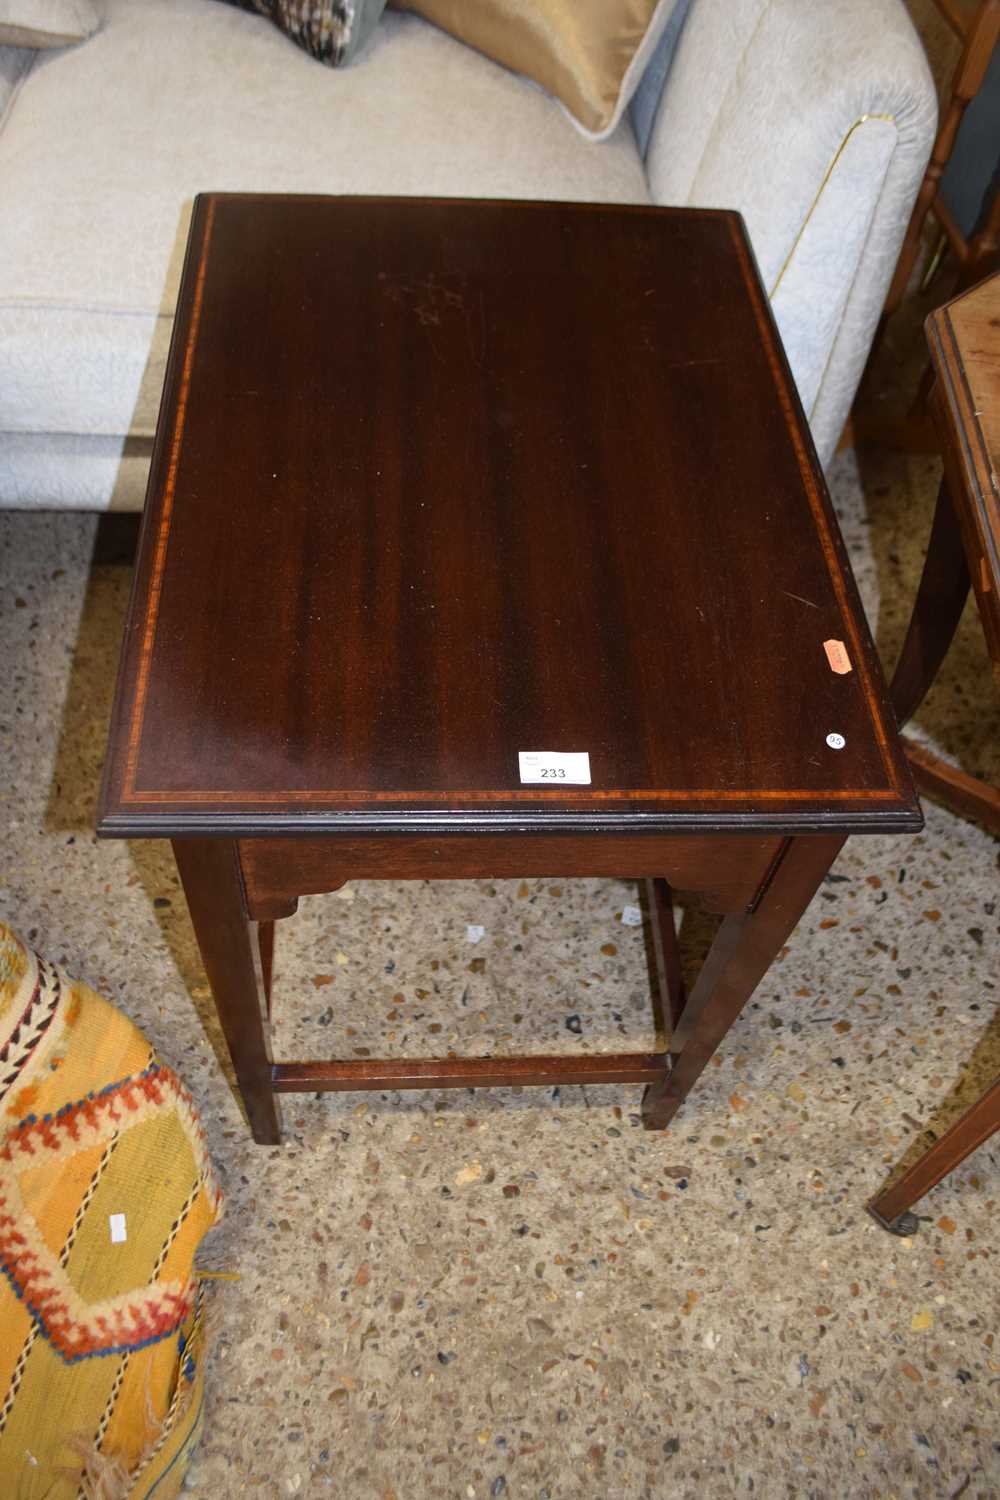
(555, 767)
(117, 1223)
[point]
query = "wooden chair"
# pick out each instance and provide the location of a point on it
(964, 547)
(977, 27)
(978, 30)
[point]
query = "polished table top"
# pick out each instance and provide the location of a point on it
(440, 482)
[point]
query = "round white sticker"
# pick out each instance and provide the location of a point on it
(836, 741)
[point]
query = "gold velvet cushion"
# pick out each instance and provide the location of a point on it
(589, 53)
(45, 23)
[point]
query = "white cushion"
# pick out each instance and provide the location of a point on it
(107, 144)
(815, 120)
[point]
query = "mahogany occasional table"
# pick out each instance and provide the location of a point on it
(487, 539)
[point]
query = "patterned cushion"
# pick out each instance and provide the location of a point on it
(332, 31)
(105, 1193)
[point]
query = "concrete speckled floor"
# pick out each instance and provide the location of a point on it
(510, 1293)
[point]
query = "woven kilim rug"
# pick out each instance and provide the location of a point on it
(106, 1190)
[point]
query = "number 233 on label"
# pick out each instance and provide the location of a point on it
(566, 766)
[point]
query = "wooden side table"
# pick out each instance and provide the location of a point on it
(487, 539)
(964, 546)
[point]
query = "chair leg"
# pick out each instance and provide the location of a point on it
(890, 1208)
(944, 588)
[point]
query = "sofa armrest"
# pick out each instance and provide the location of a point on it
(816, 121)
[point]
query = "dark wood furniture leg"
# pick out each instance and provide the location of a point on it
(730, 875)
(670, 979)
(265, 941)
(744, 948)
(890, 1208)
(944, 588)
(234, 956)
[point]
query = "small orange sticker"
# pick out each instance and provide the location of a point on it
(836, 655)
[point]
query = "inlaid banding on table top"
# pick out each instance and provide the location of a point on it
(779, 371)
(169, 488)
(869, 794)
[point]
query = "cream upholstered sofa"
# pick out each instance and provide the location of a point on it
(813, 117)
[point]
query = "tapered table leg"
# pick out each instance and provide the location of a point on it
(669, 975)
(265, 940)
(944, 588)
(743, 950)
(231, 952)
(976, 1126)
